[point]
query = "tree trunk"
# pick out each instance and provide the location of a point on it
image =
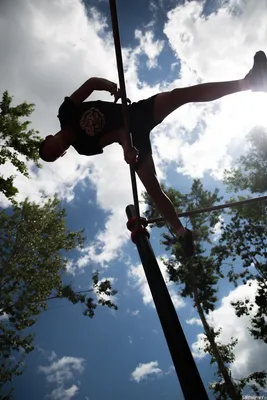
(230, 388)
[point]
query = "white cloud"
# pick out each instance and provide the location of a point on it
(189, 31)
(72, 267)
(220, 126)
(3, 316)
(250, 354)
(194, 321)
(138, 279)
(197, 347)
(55, 37)
(152, 48)
(48, 355)
(130, 340)
(64, 394)
(59, 372)
(142, 371)
(218, 229)
(170, 370)
(61, 46)
(134, 313)
(62, 370)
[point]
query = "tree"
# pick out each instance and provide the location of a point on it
(243, 245)
(245, 235)
(16, 140)
(34, 242)
(250, 172)
(198, 277)
(219, 387)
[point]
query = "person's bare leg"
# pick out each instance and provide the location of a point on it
(148, 177)
(256, 80)
(166, 208)
(167, 102)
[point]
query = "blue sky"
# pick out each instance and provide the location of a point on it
(50, 49)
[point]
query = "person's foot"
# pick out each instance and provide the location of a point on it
(187, 242)
(257, 76)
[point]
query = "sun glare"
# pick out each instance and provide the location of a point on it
(254, 108)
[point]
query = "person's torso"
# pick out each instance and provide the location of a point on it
(97, 117)
(89, 120)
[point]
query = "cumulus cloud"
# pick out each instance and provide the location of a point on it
(62, 369)
(63, 45)
(198, 346)
(221, 125)
(59, 372)
(152, 48)
(217, 230)
(138, 279)
(52, 47)
(64, 394)
(194, 321)
(142, 371)
(54, 57)
(189, 31)
(250, 354)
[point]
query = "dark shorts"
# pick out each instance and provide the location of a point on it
(142, 122)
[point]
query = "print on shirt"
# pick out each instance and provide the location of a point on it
(92, 121)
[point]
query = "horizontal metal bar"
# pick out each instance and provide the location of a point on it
(210, 209)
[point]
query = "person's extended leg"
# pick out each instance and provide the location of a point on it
(167, 102)
(148, 177)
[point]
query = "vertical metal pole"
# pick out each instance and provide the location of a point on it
(117, 43)
(183, 361)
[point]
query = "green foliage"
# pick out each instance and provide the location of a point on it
(34, 242)
(254, 381)
(101, 289)
(243, 244)
(227, 357)
(243, 241)
(251, 170)
(16, 140)
(201, 272)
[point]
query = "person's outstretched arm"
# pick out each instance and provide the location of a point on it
(90, 86)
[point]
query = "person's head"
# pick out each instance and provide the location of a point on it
(52, 147)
